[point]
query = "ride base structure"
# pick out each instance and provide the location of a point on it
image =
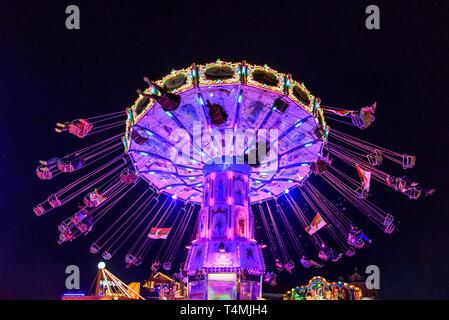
(225, 261)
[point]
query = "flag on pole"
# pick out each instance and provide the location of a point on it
(316, 224)
(158, 233)
(365, 177)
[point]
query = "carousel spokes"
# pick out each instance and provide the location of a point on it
(156, 183)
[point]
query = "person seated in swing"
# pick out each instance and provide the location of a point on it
(50, 164)
(44, 170)
(309, 263)
(83, 217)
(327, 253)
(363, 194)
(155, 266)
(71, 163)
(279, 265)
(270, 277)
(365, 117)
(289, 266)
(168, 101)
(375, 158)
(357, 238)
(78, 127)
(407, 184)
(320, 166)
(94, 199)
(216, 113)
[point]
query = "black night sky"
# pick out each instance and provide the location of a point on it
(49, 74)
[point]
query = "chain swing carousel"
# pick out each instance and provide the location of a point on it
(211, 146)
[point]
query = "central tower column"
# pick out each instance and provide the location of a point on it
(225, 261)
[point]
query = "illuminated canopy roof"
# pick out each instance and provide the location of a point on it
(252, 98)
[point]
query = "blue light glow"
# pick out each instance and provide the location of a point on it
(308, 144)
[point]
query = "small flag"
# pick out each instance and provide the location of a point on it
(316, 224)
(365, 177)
(158, 233)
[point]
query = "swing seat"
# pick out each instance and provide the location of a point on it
(399, 185)
(388, 220)
(65, 166)
(279, 266)
(360, 122)
(408, 161)
(322, 256)
(91, 203)
(375, 158)
(139, 136)
(62, 238)
(350, 252)
(39, 210)
(81, 227)
(130, 259)
(155, 266)
(75, 220)
(106, 255)
(359, 243)
(94, 248)
(44, 175)
(289, 266)
(167, 266)
(63, 228)
(338, 257)
(65, 236)
(138, 261)
(54, 201)
(389, 229)
(412, 193)
(80, 128)
(93, 199)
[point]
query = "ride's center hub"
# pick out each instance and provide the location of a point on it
(225, 261)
